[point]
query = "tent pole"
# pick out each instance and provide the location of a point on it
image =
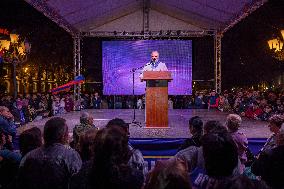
(217, 62)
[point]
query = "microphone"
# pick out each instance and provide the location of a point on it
(153, 60)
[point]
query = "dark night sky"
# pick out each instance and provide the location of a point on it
(50, 43)
(246, 58)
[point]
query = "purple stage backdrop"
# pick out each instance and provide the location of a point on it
(120, 57)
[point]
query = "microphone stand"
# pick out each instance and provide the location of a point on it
(133, 96)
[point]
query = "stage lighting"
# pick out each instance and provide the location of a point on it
(178, 32)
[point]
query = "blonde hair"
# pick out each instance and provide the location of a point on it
(233, 122)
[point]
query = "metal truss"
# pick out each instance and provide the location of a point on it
(146, 10)
(149, 34)
(217, 61)
(77, 67)
(49, 12)
(245, 12)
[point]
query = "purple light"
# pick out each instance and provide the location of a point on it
(120, 57)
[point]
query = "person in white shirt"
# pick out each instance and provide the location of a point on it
(154, 64)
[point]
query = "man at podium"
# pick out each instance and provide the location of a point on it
(154, 64)
(157, 76)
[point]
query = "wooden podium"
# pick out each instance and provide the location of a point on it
(156, 98)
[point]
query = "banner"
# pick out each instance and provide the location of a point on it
(66, 87)
(161, 148)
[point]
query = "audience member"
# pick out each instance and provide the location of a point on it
(96, 101)
(53, 164)
(213, 126)
(196, 129)
(29, 140)
(270, 167)
(69, 104)
(213, 100)
(193, 155)
(20, 113)
(220, 157)
(254, 111)
(274, 125)
(242, 182)
(86, 144)
(109, 168)
(7, 122)
(233, 124)
(136, 159)
(9, 162)
(168, 174)
(86, 123)
(280, 137)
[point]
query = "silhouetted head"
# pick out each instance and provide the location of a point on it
(55, 131)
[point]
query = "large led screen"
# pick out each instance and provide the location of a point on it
(120, 57)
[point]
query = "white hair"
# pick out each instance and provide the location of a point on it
(233, 122)
(84, 115)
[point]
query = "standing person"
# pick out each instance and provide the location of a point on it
(170, 104)
(97, 101)
(69, 104)
(213, 100)
(155, 64)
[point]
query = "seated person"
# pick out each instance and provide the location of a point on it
(213, 100)
(233, 124)
(170, 173)
(29, 140)
(7, 122)
(20, 114)
(136, 159)
(254, 111)
(9, 161)
(86, 123)
(196, 129)
(220, 157)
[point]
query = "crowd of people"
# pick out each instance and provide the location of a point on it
(247, 103)
(27, 108)
(216, 156)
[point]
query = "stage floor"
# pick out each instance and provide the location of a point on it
(178, 122)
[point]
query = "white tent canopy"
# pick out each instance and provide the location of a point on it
(129, 15)
(106, 18)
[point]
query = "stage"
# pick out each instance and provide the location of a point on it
(178, 122)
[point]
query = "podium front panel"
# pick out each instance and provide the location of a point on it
(156, 107)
